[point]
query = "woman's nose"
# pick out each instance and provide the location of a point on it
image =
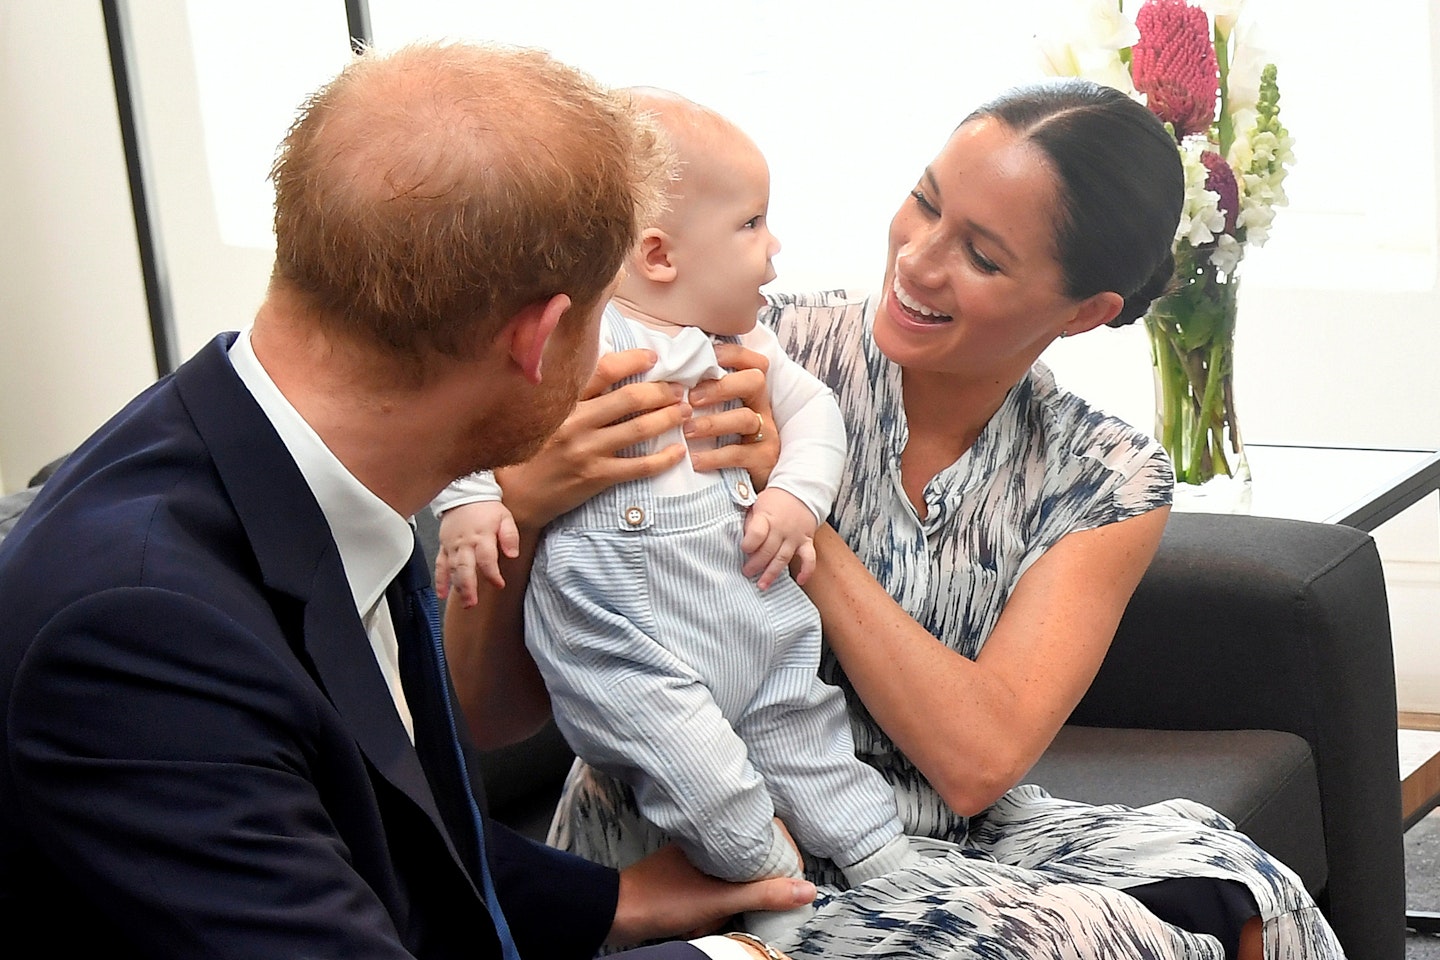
(920, 257)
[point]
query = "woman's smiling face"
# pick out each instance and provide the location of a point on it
(973, 286)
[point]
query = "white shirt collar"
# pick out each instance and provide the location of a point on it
(374, 541)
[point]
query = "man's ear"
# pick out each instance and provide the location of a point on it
(652, 256)
(1093, 311)
(529, 331)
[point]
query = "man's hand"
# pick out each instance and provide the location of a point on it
(663, 895)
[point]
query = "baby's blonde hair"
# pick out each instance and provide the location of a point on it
(694, 132)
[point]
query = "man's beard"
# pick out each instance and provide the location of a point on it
(523, 428)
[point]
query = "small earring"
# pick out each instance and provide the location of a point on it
(1064, 334)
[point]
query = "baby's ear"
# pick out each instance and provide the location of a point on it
(652, 256)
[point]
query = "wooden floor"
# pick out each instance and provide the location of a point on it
(1419, 742)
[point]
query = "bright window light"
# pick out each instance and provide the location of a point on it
(850, 99)
(254, 62)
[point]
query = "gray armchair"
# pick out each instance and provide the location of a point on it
(1253, 672)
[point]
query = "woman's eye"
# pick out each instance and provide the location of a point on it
(919, 197)
(982, 262)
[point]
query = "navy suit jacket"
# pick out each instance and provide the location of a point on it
(201, 756)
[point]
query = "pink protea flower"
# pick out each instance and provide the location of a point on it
(1173, 64)
(1221, 179)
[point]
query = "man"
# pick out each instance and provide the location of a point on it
(216, 743)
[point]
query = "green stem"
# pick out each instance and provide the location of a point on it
(1208, 420)
(1169, 380)
(1125, 51)
(1236, 443)
(1194, 392)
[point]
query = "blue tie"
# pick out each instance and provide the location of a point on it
(425, 678)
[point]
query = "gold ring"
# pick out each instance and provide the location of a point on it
(759, 431)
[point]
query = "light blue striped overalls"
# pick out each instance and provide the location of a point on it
(670, 669)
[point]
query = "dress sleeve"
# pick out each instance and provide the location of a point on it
(1150, 483)
(1112, 472)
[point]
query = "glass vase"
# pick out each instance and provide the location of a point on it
(1192, 351)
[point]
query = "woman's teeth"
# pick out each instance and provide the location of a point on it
(915, 306)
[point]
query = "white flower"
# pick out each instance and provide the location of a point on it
(1227, 253)
(1085, 40)
(1255, 220)
(1222, 13)
(1242, 83)
(1241, 153)
(1265, 147)
(1201, 220)
(1261, 194)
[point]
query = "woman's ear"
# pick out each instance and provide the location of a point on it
(1094, 310)
(652, 260)
(530, 329)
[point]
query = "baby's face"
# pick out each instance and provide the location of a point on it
(722, 246)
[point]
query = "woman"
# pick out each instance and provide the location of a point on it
(986, 540)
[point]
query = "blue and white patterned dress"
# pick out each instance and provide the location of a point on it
(1033, 876)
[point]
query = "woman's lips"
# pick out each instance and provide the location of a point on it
(913, 309)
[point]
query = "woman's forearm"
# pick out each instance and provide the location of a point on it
(974, 728)
(933, 702)
(501, 692)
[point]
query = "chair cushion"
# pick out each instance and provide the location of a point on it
(1262, 780)
(12, 505)
(523, 781)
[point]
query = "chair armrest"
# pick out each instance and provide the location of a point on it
(1257, 623)
(1252, 623)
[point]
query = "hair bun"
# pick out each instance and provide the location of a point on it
(1161, 282)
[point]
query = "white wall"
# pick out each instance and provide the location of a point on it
(1328, 367)
(74, 338)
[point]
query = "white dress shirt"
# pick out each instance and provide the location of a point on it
(373, 540)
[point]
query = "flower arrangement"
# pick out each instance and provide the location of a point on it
(1193, 66)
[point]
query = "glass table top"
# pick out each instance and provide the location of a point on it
(1355, 486)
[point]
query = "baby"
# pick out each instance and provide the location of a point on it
(667, 666)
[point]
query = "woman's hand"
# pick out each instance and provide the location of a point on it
(745, 383)
(580, 460)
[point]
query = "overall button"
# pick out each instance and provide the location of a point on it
(634, 516)
(742, 488)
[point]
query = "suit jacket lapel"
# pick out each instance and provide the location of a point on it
(298, 560)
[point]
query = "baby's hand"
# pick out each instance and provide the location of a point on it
(778, 528)
(472, 537)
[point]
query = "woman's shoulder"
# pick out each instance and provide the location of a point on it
(838, 299)
(804, 311)
(1076, 430)
(808, 325)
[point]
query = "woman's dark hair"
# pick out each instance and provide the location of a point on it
(1121, 186)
